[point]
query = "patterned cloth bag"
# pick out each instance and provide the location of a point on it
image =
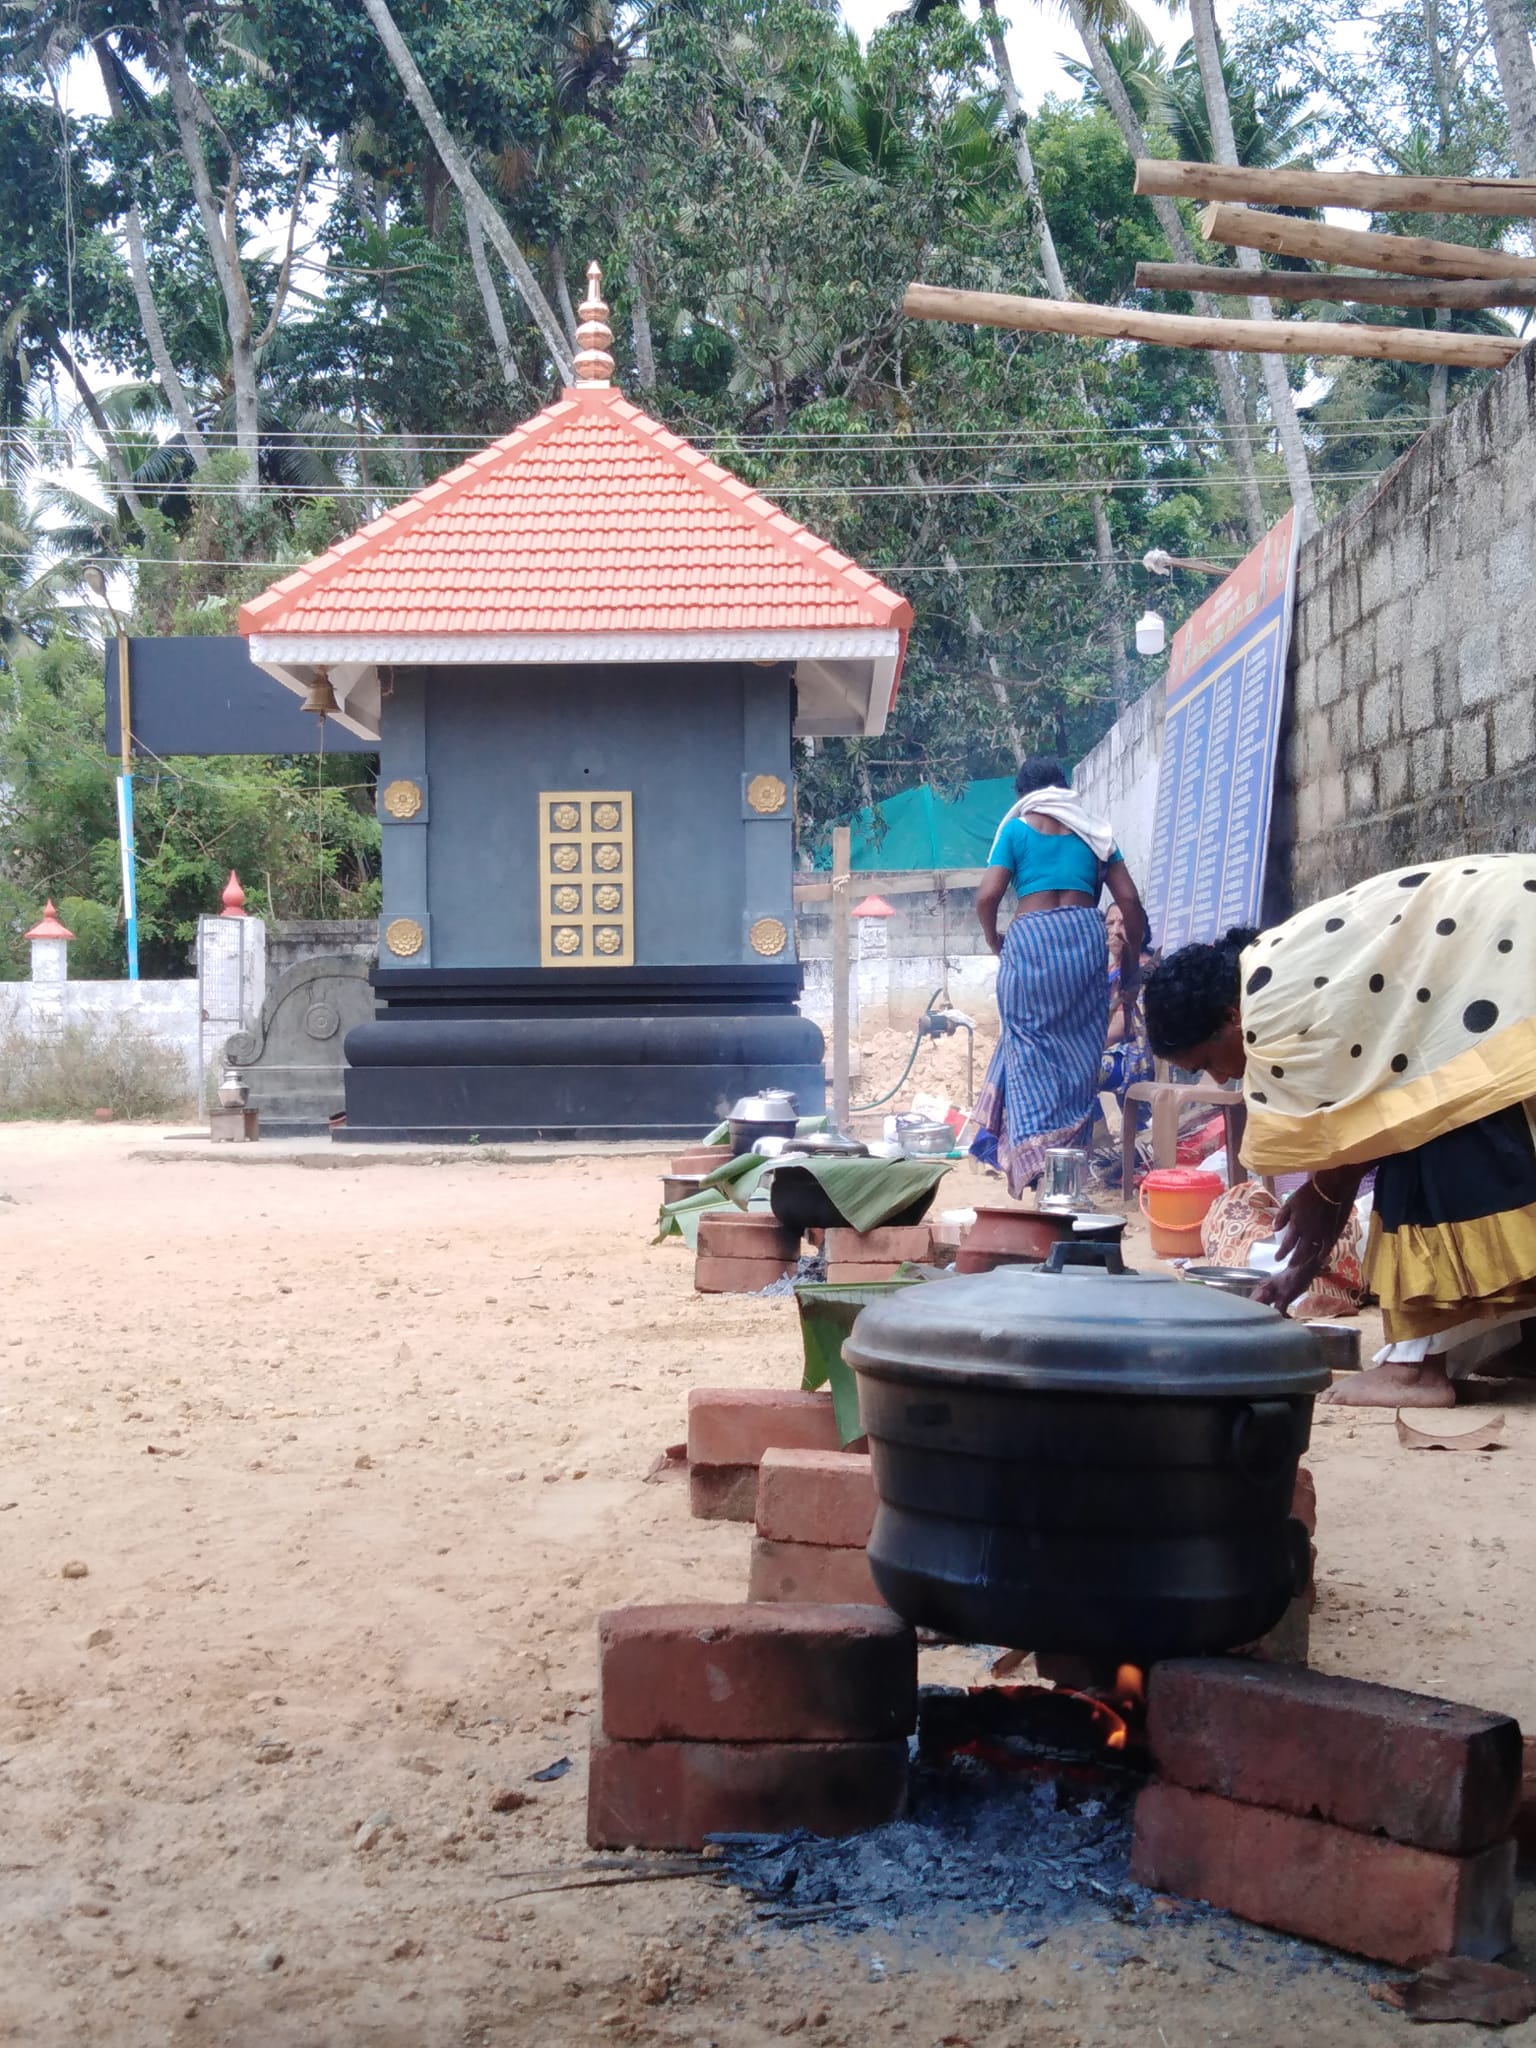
(1237, 1220)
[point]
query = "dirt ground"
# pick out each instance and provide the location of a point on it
(352, 1458)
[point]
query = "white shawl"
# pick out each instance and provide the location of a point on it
(1068, 808)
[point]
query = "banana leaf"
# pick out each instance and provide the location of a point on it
(733, 1183)
(827, 1314)
(869, 1192)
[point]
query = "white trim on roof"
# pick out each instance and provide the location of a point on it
(485, 649)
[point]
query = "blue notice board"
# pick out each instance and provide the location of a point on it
(1216, 780)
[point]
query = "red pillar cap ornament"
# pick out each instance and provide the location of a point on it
(233, 898)
(48, 926)
(873, 906)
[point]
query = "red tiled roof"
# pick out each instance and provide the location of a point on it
(589, 518)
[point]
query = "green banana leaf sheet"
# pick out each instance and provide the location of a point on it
(869, 1192)
(827, 1314)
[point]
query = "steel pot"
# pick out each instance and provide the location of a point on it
(1086, 1459)
(772, 1114)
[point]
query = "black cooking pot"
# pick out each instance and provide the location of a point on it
(1081, 1458)
(800, 1202)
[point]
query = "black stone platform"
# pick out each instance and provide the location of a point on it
(503, 1055)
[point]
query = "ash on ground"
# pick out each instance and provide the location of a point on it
(1036, 1849)
(813, 1266)
(1006, 1861)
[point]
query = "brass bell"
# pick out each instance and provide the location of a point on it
(322, 698)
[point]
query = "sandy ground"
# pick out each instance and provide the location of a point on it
(352, 1459)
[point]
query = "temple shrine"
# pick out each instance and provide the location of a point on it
(583, 656)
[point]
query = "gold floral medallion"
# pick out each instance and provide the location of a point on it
(404, 936)
(567, 939)
(403, 799)
(769, 935)
(766, 794)
(605, 817)
(566, 858)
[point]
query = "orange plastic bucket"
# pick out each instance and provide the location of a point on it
(1175, 1201)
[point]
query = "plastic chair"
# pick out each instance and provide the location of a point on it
(1168, 1099)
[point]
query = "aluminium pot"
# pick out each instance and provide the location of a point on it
(1086, 1459)
(774, 1113)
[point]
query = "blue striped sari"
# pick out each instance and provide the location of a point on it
(1053, 998)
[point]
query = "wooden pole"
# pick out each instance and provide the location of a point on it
(1240, 227)
(1181, 330)
(842, 847)
(1369, 191)
(1302, 285)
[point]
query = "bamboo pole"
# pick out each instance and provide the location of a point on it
(1302, 285)
(1369, 191)
(1242, 228)
(1181, 330)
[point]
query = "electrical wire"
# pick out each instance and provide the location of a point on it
(785, 488)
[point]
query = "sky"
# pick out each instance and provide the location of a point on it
(1038, 32)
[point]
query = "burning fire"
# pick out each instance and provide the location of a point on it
(1128, 1700)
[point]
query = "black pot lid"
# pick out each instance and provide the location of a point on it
(1085, 1331)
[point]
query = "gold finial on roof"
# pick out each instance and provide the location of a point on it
(593, 364)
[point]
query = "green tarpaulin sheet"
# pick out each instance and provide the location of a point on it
(920, 828)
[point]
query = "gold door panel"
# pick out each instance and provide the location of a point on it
(586, 881)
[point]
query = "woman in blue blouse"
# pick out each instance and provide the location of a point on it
(1052, 989)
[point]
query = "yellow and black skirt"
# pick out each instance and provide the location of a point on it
(1453, 1229)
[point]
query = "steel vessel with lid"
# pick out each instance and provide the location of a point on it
(1082, 1458)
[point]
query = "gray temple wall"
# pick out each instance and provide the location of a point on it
(485, 743)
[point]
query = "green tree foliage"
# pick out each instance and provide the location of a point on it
(760, 189)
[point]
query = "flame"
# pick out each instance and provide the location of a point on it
(1130, 1698)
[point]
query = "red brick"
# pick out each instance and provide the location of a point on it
(670, 1795)
(846, 1275)
(1421, 1770)
(1289, 1641)
(738, 1276)
(736, 1234)
(891, 1245)
(735, 1425)
(1304, 1500)
(1382, 1899)
(823, 1497)
(710, 1672)
(722, 1493)
(810, 1571)
(701, 1159)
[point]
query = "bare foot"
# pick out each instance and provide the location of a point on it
(1394, 1386)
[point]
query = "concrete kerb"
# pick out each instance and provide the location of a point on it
(193, 1148)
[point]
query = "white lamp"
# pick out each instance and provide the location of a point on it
(1151, 634)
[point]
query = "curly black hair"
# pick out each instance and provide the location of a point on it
(1040, 771)
(1191, 995)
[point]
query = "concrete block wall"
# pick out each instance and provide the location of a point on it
(932, 941)
(167, 1010)
(1410, 725)
(1411, 732)
(1118, 779)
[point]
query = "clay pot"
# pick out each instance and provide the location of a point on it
(1020, 1233)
